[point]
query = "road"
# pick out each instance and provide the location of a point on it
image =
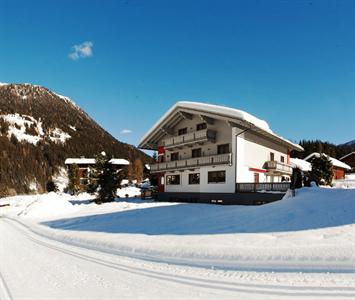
(35, 267)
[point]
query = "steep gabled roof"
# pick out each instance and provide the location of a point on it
(238, 117)
(301, 164)
(345, 156)
(334, 161)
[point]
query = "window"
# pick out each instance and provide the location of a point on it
(182, 131)
(282, 159)
(216, 176)
(173, 179)
(272, 156)
(194, 178)
(196, 152)
(201, 126)
(174, 156)
(222, 149)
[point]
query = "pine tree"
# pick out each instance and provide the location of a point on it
(138, 170)
(130, 172)
(51, 186)
(321, 170)
(107, 179)
(74, 180)
(92, 185)
(296, 179)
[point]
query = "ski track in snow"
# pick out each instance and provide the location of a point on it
(138, 278)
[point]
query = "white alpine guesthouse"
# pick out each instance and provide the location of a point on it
(210, 153)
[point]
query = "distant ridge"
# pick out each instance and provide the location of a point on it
(39, 129)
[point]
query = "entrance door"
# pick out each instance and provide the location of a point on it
(256, 177)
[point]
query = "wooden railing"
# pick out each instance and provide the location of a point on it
(192, 137)
(218, 159)
(264, 186)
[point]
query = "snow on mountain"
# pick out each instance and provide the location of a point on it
(28, 129)
(21, 125)
(58, 136)
(39, 130)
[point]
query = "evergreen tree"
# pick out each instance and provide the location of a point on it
(92, 185)
(296, 179)
(321, 170)
(74, 180)
(138, 170)
(51, 186)
(130, 172)
(107, 179)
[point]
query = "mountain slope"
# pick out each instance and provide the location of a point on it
(349, 144)
(39, 129)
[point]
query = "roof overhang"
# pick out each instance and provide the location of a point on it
(208, 112)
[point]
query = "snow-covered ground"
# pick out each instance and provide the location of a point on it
(347, 182)
(302, 246)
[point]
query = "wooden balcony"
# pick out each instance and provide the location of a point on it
(190, 163)
(247, 187)
(201, 136)
(277, 168)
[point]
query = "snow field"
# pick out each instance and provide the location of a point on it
(312, 232)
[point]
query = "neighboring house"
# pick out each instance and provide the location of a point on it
(215, 153)
(85, 166)
(349, 159)
(301, 164)
(338, 168)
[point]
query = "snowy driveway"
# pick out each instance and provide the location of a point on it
(35, 267)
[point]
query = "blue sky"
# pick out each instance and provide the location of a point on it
(291, 63)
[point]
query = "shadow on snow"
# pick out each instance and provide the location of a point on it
(292, 214)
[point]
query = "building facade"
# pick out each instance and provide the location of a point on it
(85, 167)
(339, 168)
(349, 159)
(208, 151)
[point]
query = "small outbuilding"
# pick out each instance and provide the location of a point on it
(339, 167)
(85, 165)
(349, 159)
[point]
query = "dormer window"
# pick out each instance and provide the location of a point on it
(182, 131)
(201, 126)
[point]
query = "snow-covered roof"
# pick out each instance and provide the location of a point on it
(334, 161)
(243, 118)
(91, 161)
(345, 156)
(302, 164)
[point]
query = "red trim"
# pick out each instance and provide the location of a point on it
(257, 170)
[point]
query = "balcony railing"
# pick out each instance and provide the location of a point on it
(220, 159)
(277, 167)
(264, 186)
(190, 138)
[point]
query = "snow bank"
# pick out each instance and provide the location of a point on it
(129, 192)
(313, 231)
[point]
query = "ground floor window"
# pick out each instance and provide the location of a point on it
(194, 178)
(216, 176)
(172, 179)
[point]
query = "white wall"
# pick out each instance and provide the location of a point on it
(252, 152)
(224, 133)
(204, 186)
